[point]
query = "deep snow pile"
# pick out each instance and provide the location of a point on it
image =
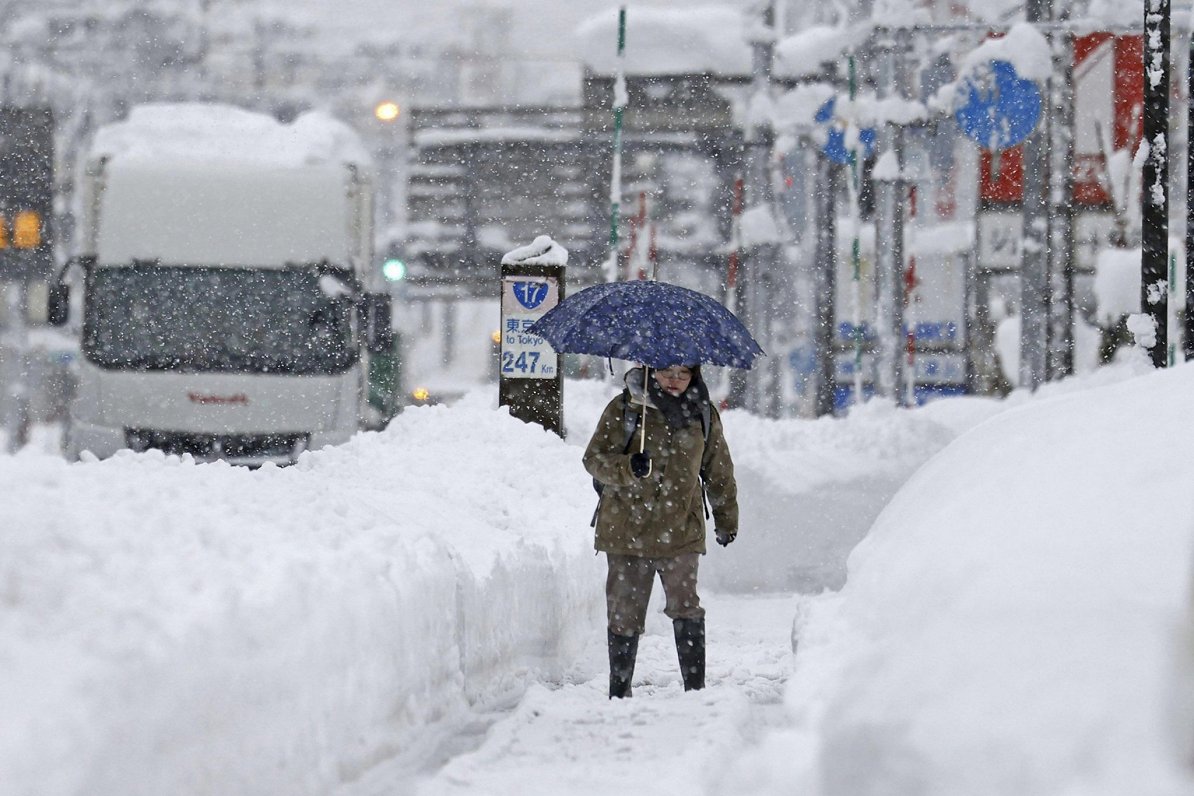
(1018, 619)
(168, 627)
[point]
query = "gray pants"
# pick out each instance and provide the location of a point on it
(628, 590)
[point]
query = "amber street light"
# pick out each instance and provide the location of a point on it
(387, 111)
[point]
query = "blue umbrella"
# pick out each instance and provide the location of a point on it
(656, 323)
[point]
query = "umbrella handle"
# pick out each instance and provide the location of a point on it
(642, 437)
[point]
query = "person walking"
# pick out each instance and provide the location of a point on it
(658, 453)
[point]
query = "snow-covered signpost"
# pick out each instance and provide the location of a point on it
(530, 381)
(998, 104)
(857, 331)
(615, 181)
(1034, 262)
(1154, 262)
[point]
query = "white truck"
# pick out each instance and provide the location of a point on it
(229, 307)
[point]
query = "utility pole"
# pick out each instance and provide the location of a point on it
(825, 283)
(761, 259)
(1154, 266)
(1188, 337)
(615, 182)
(1034, 263)
(889, 225)
(1060, 125)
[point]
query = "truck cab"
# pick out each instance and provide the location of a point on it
(227, 286)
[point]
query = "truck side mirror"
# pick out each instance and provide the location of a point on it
(58, 304)
(378, 317)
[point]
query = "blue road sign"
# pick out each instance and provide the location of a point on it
(530, 294)
(1001, 108)
(835, 142)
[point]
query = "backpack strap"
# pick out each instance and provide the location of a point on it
(629, 425)
(706, 423)
(629, 422)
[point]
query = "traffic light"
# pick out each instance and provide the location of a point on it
(394, 269)
(26, 230)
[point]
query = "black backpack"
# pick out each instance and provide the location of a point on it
(630, 421)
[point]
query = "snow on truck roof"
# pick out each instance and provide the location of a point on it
(214, 133)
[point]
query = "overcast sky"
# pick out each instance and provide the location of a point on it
(542, 28)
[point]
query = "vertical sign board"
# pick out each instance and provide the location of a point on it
(1108, 103)
(530, 381)
(26, 194)
(1108, 98)
(937, 317)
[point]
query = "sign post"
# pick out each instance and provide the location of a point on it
(530, 380)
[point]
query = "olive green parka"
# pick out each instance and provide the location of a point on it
(663, 513)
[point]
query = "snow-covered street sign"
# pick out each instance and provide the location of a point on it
(529, 378)
(525, 300)
(1001, 108)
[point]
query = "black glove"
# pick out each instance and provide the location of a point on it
(640, 464)
(724, 537)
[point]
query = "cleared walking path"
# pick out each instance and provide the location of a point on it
(570, 738)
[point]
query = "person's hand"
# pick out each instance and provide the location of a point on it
(640, 464)
(724, 537)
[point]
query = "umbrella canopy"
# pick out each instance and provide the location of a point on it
(656, 323)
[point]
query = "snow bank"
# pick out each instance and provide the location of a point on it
(167, 627)
(1117, 283)
(1087, 340)
(1010, 623)
(170, 627)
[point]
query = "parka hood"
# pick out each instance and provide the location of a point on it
(634, 384)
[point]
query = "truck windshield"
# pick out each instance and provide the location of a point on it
(151, 317)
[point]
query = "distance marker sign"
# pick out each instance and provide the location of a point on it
(526, 299)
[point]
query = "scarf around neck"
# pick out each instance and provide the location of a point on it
(677, 410)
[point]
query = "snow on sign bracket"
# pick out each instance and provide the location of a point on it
(525, 299)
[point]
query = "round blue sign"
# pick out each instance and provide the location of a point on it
(1001, 108)
(835, 142)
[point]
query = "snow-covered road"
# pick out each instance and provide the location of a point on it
(568, 737)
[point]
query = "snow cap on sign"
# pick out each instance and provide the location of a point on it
(807, 52)
(541, 251)
(1024, 47)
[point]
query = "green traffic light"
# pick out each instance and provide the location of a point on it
(394, 270)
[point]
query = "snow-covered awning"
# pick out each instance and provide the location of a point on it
(453, 137)
(668, 41)
(708, 39)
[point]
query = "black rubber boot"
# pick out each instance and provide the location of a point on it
(690, 646)
(622, 652)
